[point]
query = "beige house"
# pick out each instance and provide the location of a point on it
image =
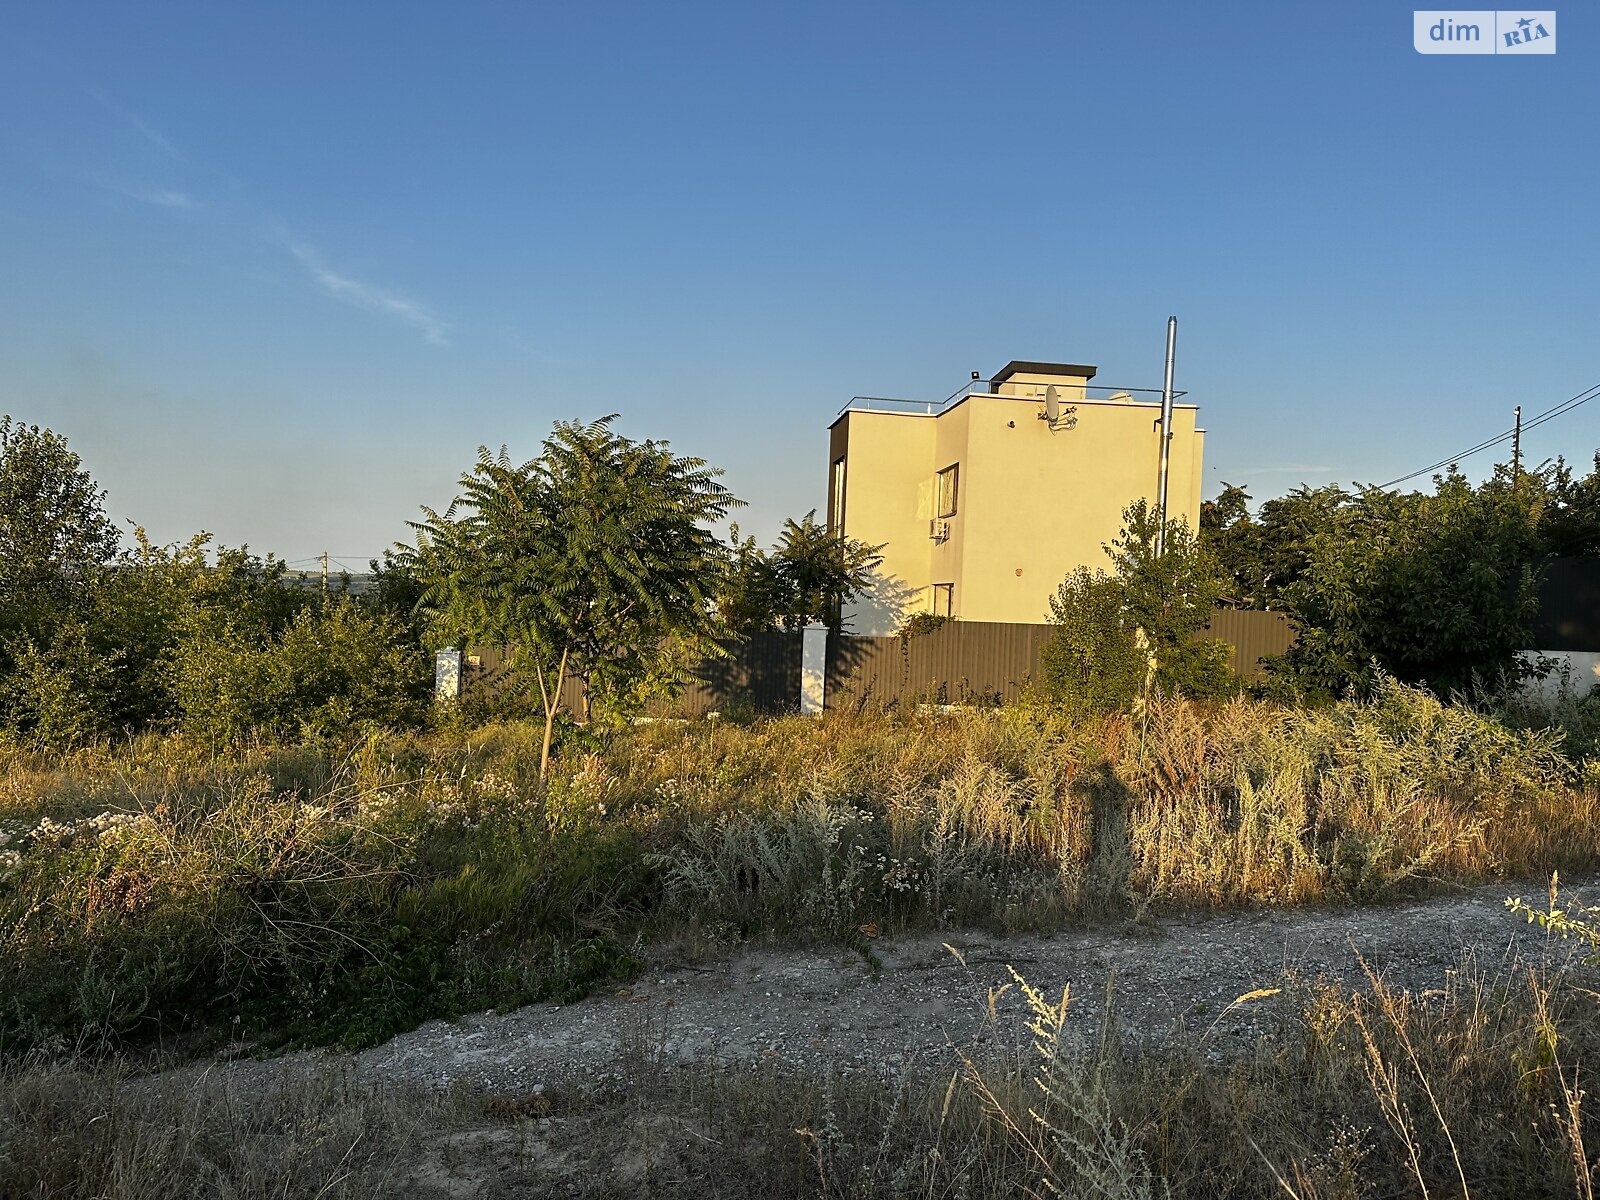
(982, 503)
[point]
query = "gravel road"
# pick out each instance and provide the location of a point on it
(811, 1009)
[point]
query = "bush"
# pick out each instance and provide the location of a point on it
(60, 693)
(338, 897)
(1118, 633)
(1093, 663)
(334, 669)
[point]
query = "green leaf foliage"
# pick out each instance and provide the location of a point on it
(809, 575)
(54, 533)
(594, 554)
(1438, 590)
(1138, 624)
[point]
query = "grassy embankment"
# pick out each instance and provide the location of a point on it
(281, 894)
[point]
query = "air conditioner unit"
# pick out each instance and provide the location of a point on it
(939, 531)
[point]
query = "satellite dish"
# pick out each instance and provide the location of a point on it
(1052, 404)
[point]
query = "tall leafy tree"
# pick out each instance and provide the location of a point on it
(1438, 590)
(54, 532)
(1570, 524)
(1139, 622)
(593, 560)
(1263, 557)
(809, 575)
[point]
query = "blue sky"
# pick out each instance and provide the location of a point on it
(277, 270)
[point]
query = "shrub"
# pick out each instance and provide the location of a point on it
(334, 669)
(1118, 633)
(338, 896)
(1093, 663)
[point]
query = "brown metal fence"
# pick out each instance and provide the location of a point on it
(989, 662)
(1252, 635)
(761, 673)
(962, 662)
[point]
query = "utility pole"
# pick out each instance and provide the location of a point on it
(1166, 439)
(1516, 448)
(324, 574)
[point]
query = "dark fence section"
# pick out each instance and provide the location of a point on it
(761, 673)
(960, 662)
(1252, 635)
(1569, 606)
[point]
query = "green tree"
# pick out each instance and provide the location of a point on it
(54, 533)
(809, 575)
(1570, 524)
(1263, 557)
(1436, 590)
(595, 560)
(1094, 661)
(1138, 623)
(1227, 530)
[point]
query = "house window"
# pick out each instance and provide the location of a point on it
(836, 510)
(948, 481)
(944, 599)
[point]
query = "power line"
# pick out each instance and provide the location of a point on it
(317, 558)
(1549, 414)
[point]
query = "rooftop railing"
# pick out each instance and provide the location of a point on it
(1069, 393)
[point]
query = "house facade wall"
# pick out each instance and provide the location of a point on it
(1034, 502)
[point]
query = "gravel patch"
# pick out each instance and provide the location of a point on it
(815, 1009)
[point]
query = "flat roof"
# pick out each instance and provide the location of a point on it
(1018, 367)
(1072, 400)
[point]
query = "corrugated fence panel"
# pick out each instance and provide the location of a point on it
(1569, 606)
(761, 672)
(962, 662)
(1253, 636)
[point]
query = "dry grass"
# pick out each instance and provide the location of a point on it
(1471, 1089)
(1019, 820)
(85, 1131)
(345, 896)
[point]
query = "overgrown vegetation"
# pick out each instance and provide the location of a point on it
(310, 895)
(228, 816)
(1438, 590)
(1122, 632)
(96, 640)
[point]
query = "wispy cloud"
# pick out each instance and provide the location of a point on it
(160, 197)
(142, 127)
(360, 294)
(347, 289)
(151, 134)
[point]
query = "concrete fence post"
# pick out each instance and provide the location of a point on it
(813, 668)
(447, 675)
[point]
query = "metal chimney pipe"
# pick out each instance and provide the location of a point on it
(1166, 438)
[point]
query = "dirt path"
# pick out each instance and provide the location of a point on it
(814, 1008)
